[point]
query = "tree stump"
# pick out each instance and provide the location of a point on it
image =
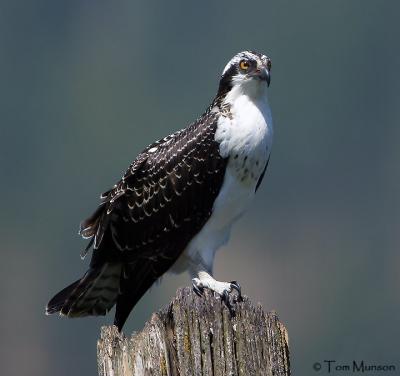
(199, 336)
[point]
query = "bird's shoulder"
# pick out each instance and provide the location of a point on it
(184, 150)
(171, 184)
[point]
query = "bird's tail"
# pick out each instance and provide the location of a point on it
(92, 295)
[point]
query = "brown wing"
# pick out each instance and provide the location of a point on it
(161, 203)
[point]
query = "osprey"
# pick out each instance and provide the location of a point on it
(175, 205)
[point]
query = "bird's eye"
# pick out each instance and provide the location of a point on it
(244, 65)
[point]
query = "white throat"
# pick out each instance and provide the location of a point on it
(248, 131)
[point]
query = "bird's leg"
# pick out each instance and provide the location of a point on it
(202, 279)
(205, 280)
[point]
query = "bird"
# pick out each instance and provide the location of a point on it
(175, 205)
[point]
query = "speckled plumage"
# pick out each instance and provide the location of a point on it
(170, 204)
(155, 198)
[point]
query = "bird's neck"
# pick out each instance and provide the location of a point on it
(254, 92)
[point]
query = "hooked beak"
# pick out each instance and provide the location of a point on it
(266, 75)
(263, 74)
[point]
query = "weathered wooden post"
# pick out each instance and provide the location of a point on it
(198, 336)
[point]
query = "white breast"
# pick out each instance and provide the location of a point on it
(249, 128)
(246, 138)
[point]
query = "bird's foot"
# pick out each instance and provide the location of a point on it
(223, 289)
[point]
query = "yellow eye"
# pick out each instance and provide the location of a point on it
(244, 65)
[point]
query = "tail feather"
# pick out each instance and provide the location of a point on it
(136, 279)
(94, 294)
(57, 302)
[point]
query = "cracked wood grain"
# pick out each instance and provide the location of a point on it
(196, 336)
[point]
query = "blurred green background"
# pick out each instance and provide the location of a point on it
(86, 85)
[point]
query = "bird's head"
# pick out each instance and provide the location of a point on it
(248, 72)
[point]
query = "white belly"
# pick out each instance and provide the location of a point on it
(229, 205)
(246, 138)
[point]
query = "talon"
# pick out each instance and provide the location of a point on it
(198, 288)
(198, 291)
(225, 299)
(236, 286)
